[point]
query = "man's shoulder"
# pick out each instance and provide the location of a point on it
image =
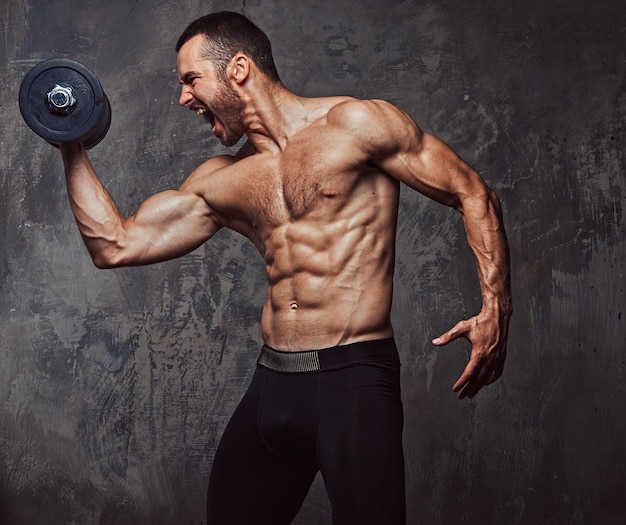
(214, 165)
(209, 172)
(223, 182)
(339, 105)
(355, 113)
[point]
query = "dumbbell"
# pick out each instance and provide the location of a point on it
(62, 101)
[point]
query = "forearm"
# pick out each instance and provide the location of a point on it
(486, 236)
(167, 225)
(97, 216)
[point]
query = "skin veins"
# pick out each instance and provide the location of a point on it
(316, 189)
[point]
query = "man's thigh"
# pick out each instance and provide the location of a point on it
(360, 444)
(251, 483)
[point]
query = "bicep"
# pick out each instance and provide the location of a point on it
(421, 160)
(167, 225)
(435, 170)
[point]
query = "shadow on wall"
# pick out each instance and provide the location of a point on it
(8, 513)
(5, 516)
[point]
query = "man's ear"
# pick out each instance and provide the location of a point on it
(239, 68)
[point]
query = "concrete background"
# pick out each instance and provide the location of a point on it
(115, 385)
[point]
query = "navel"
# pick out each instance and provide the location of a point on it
(294, 306)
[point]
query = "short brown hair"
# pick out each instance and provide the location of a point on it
(226, 34)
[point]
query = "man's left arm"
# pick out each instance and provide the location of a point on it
(429, 166)
(487, 331)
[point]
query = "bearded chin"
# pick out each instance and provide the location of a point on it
(234, 127)
(230, 139)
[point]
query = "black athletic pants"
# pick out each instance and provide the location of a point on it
(335, 410)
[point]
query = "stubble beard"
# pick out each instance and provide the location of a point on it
(230, 106)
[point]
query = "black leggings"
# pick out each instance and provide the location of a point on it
(344, 419)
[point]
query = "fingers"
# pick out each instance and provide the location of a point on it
(495, 375)
(458, 330)
(487, 356)
(468, 386)
(475, 377)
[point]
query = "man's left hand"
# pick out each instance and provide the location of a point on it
(487, 334)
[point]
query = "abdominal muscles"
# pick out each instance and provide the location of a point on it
(330, 282)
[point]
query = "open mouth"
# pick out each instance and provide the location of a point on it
(205, 112)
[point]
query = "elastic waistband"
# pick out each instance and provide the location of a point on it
(327, 358)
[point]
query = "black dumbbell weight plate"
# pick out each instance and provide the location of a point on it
(86, 119)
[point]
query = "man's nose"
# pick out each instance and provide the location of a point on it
(186, 97)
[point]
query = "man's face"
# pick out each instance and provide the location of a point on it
(207, 93)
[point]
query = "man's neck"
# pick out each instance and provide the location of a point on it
(272, 116)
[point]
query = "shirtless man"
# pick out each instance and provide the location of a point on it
(316, 190)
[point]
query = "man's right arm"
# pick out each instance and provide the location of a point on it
(167, 225)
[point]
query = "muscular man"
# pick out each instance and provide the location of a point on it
(316, 190)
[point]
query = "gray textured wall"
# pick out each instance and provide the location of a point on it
(115, 385)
